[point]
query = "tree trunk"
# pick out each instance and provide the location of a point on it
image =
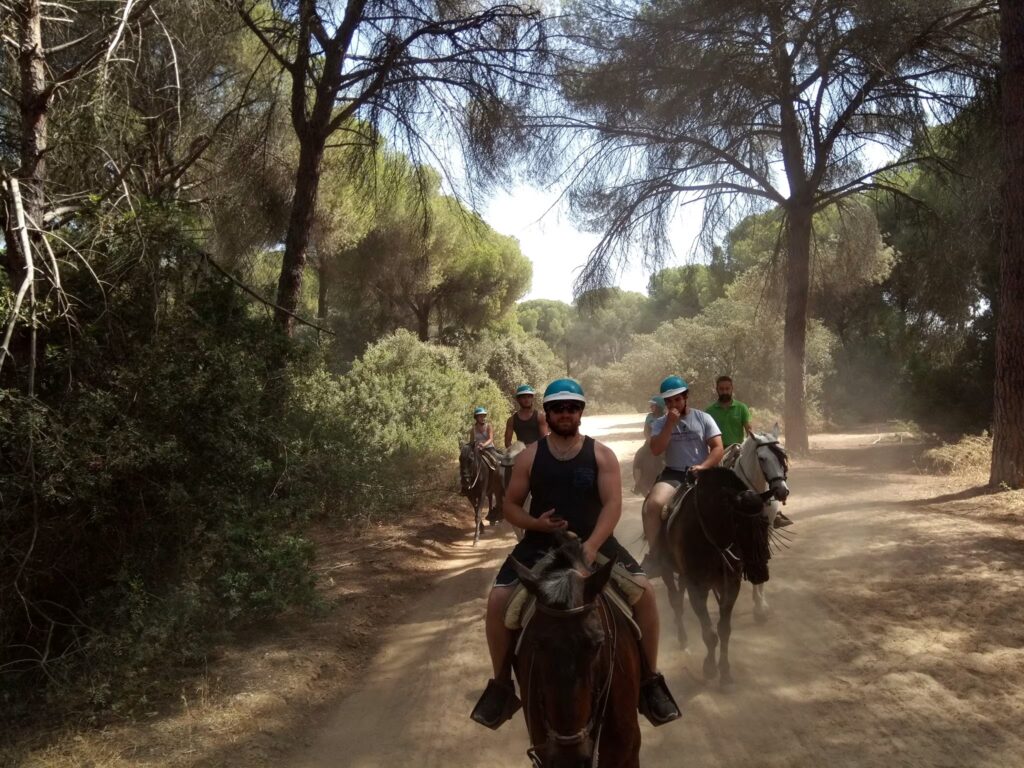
(423, 322)
(798, 269)
(32, 108)
(1008, 419)
(322, 279)
(300, 223)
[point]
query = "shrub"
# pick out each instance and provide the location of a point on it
(968, 458)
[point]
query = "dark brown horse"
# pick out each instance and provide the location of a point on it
(578, 667)
(480, 481)
(717, 538)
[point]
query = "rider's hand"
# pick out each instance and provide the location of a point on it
(549, 522)
(589, 553)
(674, 414)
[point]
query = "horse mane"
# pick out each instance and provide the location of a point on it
(558, 574)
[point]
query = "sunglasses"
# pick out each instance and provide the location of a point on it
(565, 407)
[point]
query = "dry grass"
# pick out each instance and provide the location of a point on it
(968, 459)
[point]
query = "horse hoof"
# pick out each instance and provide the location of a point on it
(761, 617)
(727, 684)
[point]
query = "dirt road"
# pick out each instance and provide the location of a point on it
(896, 640)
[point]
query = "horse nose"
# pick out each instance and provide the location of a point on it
(781, 490)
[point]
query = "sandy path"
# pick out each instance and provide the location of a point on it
(896, 640)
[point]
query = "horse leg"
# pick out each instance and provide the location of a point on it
(729, 596)
(762, 610)
(699, 603)
(675, 599)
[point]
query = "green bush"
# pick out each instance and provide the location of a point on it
(148, 508)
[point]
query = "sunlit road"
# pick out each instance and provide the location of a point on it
(818, 685)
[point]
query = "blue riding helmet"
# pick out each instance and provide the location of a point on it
(564, 389)
(480, 411)
(673, 385)
(659, 403)
(525, 389)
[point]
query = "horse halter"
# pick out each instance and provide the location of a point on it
(780, 454)
(599, 703)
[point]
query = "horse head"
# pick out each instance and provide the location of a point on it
(469, 468)
(569, 673)
(773, 465)
(730, 516)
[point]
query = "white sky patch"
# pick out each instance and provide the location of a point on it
(558, 249)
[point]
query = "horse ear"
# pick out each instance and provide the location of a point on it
(596, 582)
(775, 431)
(526, 577)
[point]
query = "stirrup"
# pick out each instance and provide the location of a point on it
(497, 704)
(658, 684)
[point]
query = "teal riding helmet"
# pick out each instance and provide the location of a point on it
(564, 389)
(480, 411)
(673, 385)
(525, 389)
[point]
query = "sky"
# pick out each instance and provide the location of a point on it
(558, 249)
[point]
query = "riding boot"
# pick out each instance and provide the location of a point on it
(497, 704)
(656, 701)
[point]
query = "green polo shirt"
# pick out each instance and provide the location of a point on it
(730, 419)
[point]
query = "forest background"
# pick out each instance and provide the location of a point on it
(246, 291)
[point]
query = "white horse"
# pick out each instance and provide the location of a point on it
(762, 463)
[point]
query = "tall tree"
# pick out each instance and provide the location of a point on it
(395, 64)
(753, 103)
(1008, 422)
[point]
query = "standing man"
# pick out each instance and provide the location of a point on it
(525, 424)
(731, 416)
(576, 487)
(691, 441)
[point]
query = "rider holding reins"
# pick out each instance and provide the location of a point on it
(691, 441)
(576, 487)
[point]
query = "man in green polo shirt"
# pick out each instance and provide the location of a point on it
(731, 416)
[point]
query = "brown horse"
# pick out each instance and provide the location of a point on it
(480, 481)
(578, 667)
(717, 538)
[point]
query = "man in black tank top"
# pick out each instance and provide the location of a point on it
(525, 425)
(576, 486)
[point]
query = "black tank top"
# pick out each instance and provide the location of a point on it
(568, 487)
(527, 431)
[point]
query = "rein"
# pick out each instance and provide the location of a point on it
(597, 712)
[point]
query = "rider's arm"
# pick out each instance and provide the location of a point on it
(518, 489)
(508, 431)
(746, 422)
(716, 451)
(609, 485)
(542, 422)
(660, 441)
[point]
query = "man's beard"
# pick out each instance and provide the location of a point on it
(725, 398)
(563, 431)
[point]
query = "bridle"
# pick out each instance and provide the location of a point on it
(599, 703)
(767, 495)
(477, 461)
